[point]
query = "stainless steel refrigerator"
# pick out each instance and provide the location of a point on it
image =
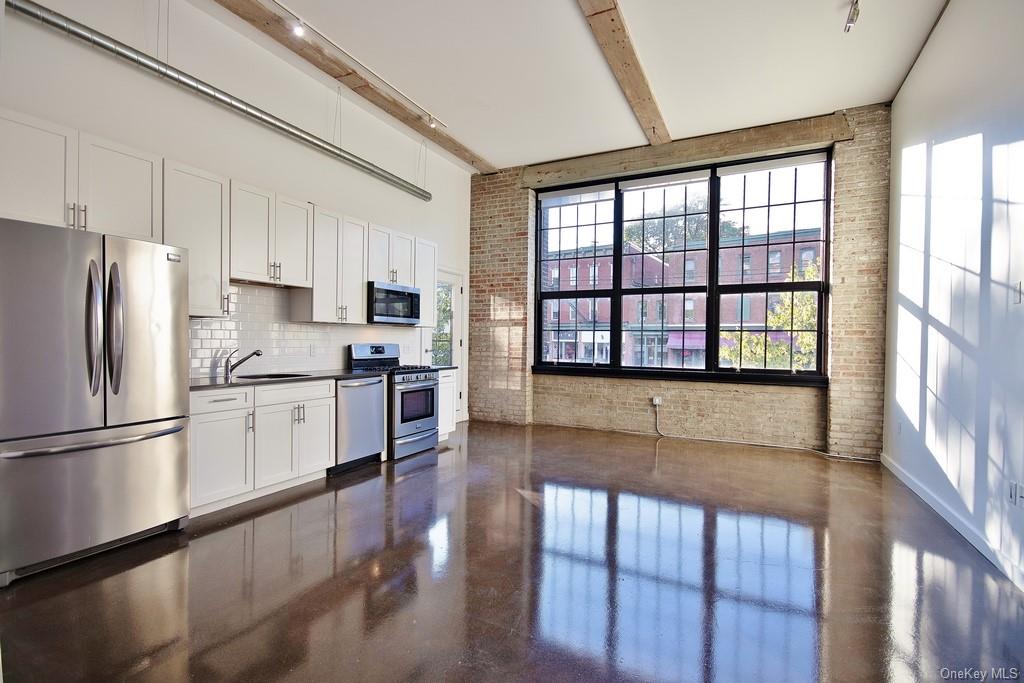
(93, 393)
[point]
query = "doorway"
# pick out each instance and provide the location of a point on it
(445, 343)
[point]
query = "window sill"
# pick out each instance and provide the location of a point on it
(780, 379)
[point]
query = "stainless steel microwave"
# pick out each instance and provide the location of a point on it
(393, 304)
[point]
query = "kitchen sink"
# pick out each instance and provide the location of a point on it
(272, 375)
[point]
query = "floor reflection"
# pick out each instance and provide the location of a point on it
(534, 554)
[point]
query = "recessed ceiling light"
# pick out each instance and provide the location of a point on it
(299, 30)
(852, 17)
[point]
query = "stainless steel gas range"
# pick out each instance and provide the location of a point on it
(412, 397)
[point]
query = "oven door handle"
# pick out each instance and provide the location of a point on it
(416, 437)
(416, 385)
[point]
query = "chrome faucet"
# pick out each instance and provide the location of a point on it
(229, 367)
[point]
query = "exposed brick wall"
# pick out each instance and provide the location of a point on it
(846, 419)
(501, 248)
(860, 237)
(794, 416)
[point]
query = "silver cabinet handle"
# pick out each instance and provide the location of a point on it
(367, 383)
(115, 328)
(303, 413)
(344, 313)
(227, 304)
(252, 422)
(85, 216)
(73, 208)
(249, 422)
(337, 313)
(270, 269)
(91, 445)
(278, 271)
(224, 400)
(95, 338)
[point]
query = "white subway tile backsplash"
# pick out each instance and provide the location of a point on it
(259, 320)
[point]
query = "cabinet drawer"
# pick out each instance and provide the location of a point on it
(292, 392)
(446, 376)
(213, 400)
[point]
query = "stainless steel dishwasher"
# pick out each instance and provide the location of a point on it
(362, 418)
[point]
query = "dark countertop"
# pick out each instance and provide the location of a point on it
(200, 383)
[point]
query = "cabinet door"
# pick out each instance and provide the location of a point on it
(446, 403)
(38, 170)
(403, 257)
(221, 456)
(196, 213)
(119, 189)
(352, 276)
(275, 452)
(326, 304)
(426, 281)
(315, 436)
(378, 254)
(252, 232)
(293, 242)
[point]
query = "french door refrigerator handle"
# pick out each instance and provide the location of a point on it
(90, 445)
(95, 337)
(115, 328)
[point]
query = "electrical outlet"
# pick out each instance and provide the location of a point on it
(656, 400)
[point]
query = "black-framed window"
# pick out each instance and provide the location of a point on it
(716, 273)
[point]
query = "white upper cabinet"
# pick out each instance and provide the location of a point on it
(120, 189)
(378, 254)
(426, 281)
(293, 242)
(352, 276)
(38, 170)
(196, 211)
(252, 233)
(390, 256)
(321, 303)
(403, 258)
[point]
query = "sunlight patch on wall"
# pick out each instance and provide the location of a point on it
(908, 365)
(913, 174)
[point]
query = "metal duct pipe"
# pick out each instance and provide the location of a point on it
(164, 70)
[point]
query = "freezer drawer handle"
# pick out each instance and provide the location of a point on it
(360, 384)
(92, 445)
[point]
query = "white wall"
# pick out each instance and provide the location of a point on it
(954, 417)
(49, 75)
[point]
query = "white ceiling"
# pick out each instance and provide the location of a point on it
(524, 82)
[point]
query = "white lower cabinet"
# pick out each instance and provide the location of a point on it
(221, 455)
(446, 403)
(249, 441)
(276, 459)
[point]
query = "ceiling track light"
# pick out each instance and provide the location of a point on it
(299, 30)
(852, 17)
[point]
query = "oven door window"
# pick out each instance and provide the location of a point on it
(417, 404)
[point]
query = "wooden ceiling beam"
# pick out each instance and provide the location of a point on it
(778, 138)
(324, 57)
(611, 34)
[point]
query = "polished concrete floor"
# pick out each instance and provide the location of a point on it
(537, 553)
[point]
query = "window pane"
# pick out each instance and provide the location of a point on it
(652, 311)
(810, 181)
(675, 269)
(755, 264)
(805, 351)
(585, 237)
(652, 270)
(753, 349)
(810, 219)
(549, 276)
(755, 225)
(808, 261)
(632, 205)
(696, 310)
(568, 215)
(730, 228)
(753, 311)
(697, 231)
(586, 213)
(550, 217)
(653, 349)
(780, 223)
(549, 314)
(730, 266)
(805, 310)
(731, 191)
(729, 311)
(586, 275)
(729, 349)
(782, 186)
(654, 235)
(777, 354)
(697, 197)
(550, 345)
(756, 193)
(780, 263)
(603, 266)
(632, 271)
(549, 244)
(654, 202)
(604, 235)
(780, 311)
(675, 200)
(633, 237)
(675, 233)
(605, 211)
